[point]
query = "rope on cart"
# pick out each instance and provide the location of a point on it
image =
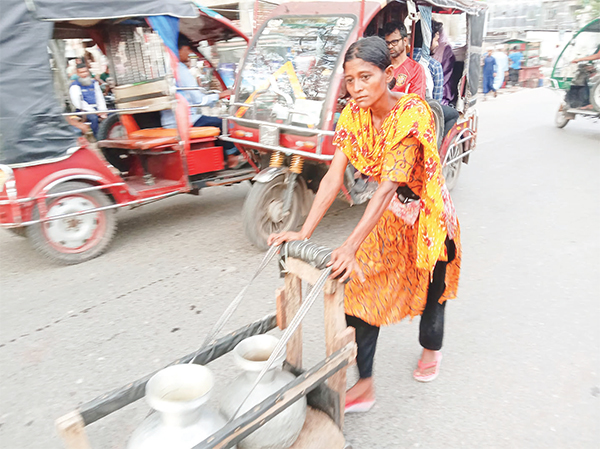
(237, 300)
(302, 311)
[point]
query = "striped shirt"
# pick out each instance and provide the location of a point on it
(437, 73)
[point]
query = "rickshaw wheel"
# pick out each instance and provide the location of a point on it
(111, 128)
(595, 96)
(561, 118)
(452, 171)
(261, 214)
(76, 239)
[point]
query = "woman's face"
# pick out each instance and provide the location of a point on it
(365, 82)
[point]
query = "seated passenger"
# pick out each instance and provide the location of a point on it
(441, 51)
(86, 96)
(186, 79)
(437, 73)
(408, 75)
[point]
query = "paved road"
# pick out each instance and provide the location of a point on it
(521, 356)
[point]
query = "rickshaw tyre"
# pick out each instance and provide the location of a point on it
(19, 232)
(560, 115)
(438, 116)
(38, 241)
(252, 204)
(595, 96)
(451, 183)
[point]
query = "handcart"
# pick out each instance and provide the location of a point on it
(324, 384)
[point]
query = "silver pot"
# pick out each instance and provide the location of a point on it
(251, 356)
(179, 394)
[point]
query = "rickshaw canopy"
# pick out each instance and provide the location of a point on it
(70, 10)
(31, 126)
(454, 6)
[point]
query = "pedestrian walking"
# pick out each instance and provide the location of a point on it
(490, 68)
(403, 257)
(502, 69)
(516, 57)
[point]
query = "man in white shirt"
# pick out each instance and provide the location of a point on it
(86, 96)
(197, 98)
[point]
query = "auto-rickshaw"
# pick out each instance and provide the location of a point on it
(581, 80)
(55, 188)
(289, 95)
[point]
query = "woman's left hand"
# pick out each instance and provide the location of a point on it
(343, 263)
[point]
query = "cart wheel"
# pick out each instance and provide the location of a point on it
(561, 119)
(19, 232)
(75, 239)
(452, 171)
(111, 128)
(595, 96)
(262, 210)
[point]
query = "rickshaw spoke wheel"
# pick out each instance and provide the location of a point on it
(73, 238)
(262, 214)
(452, 171)
(561, 119)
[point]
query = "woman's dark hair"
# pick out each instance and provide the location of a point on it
(436, 27)
(183, 41)
(372, 49)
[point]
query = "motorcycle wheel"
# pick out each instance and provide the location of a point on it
(76, 239)
(595, 96)
(261, 214)
(111, 128)
(561, 118)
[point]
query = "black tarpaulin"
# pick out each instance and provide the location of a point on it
(103, 9)
(468, 6)
(31, 126)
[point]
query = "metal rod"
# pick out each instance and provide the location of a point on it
(458, 158)
(281, 126)
(306, 154)
(52, 195)
(237, 300)
(140, 202)
(108, 111)
(279, 348)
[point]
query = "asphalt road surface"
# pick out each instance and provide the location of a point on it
(521, 353)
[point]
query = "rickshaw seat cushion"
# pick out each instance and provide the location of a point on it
(139, 143)
(195, 133)
(147, 139)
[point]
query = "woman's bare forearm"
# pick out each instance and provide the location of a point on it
(375, 209)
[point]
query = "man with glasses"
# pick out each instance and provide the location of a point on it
(409, 76)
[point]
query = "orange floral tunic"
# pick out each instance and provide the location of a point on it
(398, 259)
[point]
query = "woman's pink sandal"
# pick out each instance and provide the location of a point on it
(359, 406)
(424, 366)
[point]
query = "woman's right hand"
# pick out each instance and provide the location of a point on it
(282, 237)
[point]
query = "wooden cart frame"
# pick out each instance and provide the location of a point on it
(324, 384)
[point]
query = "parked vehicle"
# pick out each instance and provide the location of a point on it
(55, 188)
(580, 81)
(289, 94)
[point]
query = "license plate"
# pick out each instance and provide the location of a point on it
(268, 135)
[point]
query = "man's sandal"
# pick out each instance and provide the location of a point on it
(425, 366)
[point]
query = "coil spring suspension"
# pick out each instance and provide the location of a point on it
(277, 159)
(297, 164)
